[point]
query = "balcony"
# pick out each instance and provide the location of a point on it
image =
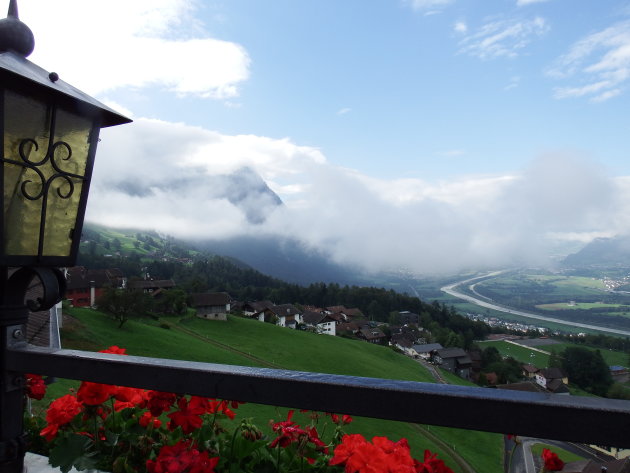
(577, 419)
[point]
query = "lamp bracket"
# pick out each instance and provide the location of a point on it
(15, 337)
(53, 288)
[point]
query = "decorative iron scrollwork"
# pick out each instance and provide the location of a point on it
(33, 190)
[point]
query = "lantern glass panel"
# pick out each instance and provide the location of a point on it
(45, 154)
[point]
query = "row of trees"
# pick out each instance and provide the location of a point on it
(123, 304)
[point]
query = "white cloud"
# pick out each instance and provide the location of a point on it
(343, 111)
(502, 38)
(120, 44)
(599, 65)
(460, 27)
(159, 175)
(522, 3)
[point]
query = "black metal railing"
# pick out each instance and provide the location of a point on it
(579, 419)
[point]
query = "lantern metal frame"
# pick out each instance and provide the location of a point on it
(21, 76)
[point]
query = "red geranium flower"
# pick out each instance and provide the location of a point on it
(382, 455)
(129, 397)
(188, 417)
(552, 461)
(35, 386)
(114, 350)
(94, 394)
(159, 402)
(60, 412)
(148, 420)
(182, 457)
(359, 456)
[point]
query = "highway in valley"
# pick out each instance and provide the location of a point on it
(488, 304)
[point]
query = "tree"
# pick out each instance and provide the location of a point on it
(124, 303)
(172, 301)
(489, 356)
(394, 318)
(587, 369)
(555, 361)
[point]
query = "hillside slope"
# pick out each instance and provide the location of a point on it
(246, 342)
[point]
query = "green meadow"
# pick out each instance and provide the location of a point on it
(541, 360)
(247, 342)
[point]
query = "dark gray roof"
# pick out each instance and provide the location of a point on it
(552, 373)
(428, 347)
(202, 299)
(157, 284)
(452, 353)
(284, 309)
(371, 333)
(313, 318)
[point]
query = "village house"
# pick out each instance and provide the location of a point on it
(455, 360)
(372, 335)
(424, 350)
(251, 308)
(407, 318)
(211, 305)
(529, 371)
(349, 327)
(320, 322)
(85, 286)
(152, 287)
(553, 379)
(284, 315)
(619, 374)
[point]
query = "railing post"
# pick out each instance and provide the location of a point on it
(12, 438)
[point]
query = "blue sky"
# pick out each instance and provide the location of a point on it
(495, 127)
(392, 89)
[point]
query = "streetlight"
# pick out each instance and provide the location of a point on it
(48, 136)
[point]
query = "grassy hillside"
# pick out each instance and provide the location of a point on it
(251, 343)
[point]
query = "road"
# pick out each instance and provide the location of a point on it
(521, 459)
(450, 289)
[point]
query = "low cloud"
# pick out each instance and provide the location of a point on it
(597, 66)
(163, 176)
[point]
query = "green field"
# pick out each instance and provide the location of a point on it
(520, 353)
(541, 360)
(246, 342)
(563, 287)
(581, 305)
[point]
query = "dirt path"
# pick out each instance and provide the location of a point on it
(461, 462)
(192, 333)
(457, 458)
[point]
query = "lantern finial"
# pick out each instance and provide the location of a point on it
(13, 9)
(14, 35)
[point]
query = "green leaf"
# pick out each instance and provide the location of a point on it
(70, 451)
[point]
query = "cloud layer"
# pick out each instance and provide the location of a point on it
(164, 176)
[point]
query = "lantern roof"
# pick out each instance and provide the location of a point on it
(14, 67)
